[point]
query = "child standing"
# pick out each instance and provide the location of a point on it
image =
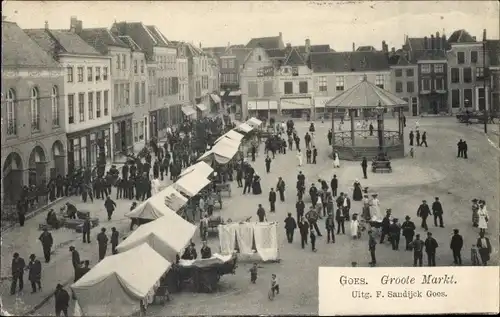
(253, 273)
(275, 287)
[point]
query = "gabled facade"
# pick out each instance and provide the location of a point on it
(88, 97)
(33, 115)
(183, 74)
(493, 47)
(334, 73)
(267, 42)
(404, 82)
(467, 69)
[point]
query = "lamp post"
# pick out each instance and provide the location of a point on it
(380, 126)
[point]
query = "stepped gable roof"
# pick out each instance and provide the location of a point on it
(365, 95)
(20, 50)
(101, 38)
(265, 42)
(349, 62)
(461, 36)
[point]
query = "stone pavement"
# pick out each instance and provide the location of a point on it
(463, 180)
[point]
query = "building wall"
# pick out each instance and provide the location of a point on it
(75, 87)
(120, 75)
(257, 59)
(403, 75)
(153, 97)
(182, 67)
(495, 89)
(49, 142)
(433, 98)
(229, 71)
(166, 58)
(139, 80)
(461, 86)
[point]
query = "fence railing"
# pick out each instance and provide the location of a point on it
(344, 138)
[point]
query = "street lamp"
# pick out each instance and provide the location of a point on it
(380, 126)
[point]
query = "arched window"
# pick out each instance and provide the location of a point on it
(11, 112)
(55, 106)
(35, 109)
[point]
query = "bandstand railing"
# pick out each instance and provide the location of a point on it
(363, 138)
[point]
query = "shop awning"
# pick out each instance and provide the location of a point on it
(201, 168)
(254, 122)
(188, 111)
(233, 135)
(297, 103)
(235, 93)
(191, 184)
(222, 152)
(201, 107)
(215, 98)
(262, 105)
(244, 128)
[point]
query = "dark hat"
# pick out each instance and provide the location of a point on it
(407, 217)
(424, 201)
(455, 230)
(437, 198)
(32, 256)
(59, 286)
(388, 209)
(474, 200)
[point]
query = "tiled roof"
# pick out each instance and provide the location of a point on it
(237, 46)
(45, 41)
(130, 43)
(100, 39)
(276, 53)
(314, 48)
(143, 36)
(428, 55)
(159, 37)
(416, 43)
(240, 54)
(461, 36)
(367, 48)
(349, 62)
(403, 61)
(265, 42)
(493, 47)
(294, 58)
(19, 50)
(216, 51)
(72, 43)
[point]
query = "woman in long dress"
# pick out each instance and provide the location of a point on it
(256, 189)
(483, 217)
(299, 157)
(375, 206)
(357, 194)
(155, 184)
(336, 160)
(354, 226)
(366, 208)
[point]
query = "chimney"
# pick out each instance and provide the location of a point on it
(308, 46)
(353, 47)
(114, 29)
(46, 25)
(432, 42)
(384, 47)
(200, 44)
(281, 35)
(79, 27)
(72, 24)
(443, 42)
(484, 35)
(438, 42)
(426, 43)
(393, 50)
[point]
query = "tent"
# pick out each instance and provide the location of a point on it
(116, 285)
(201, 168)
(167, 201)
(244, 127)
(190, 184)
(232, 135)
(167, 235)
(253, 122)
(261, 235)
(222, 152)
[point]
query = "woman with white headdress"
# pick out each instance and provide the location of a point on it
(483, 216)
(336, 159)
(299, 157)
(375, 206)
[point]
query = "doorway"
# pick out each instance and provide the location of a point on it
(414, 106)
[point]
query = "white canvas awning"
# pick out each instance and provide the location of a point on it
(235, 93)
(232, 135)
(222, 152)
(116, 285)
(244, 127)
(170, 198)
(253, 122)
(168, 236)
(201, 168)
(201, 107)
(215, 98)
(188, 111)
(149, 210)
(191, 184)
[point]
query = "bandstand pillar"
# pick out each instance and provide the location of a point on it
(351, 114)
(380, 130)
(401, 125)
(333, 128)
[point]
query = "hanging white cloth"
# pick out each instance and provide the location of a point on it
(244, 236)
(336, 162)
(354, 228)
(266, 240)
(227, 238)
(299, 158)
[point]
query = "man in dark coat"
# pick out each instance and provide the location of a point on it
(47, 242)
(464, 150)
(313, 193)
(114, 240)
(75, 261)
(484, 248)
(386, 223)
(61, 297)
(18, 266)
(339, 218)
(290, 226)
(430, 248)
(268, 164)
(424, 139)
(460, 148)
(329, 136)
(372, 244)
(304, 231)
(102, 240)
(248, 183)
(125, 171)
(364, 166)
(261, 213)
(423, 212)
(299, 208)
(334, 185)
(35, 273)
(408, 228)
(280, 187)
(395, 234)
(412, 136)
(418, 247)
(272, 200)
(330, 228)
(418, 138)
(314, 154)
(110, 206)
(437, 210)
(205, 251)
(239, 176)
(312, 217)
(87, 225)
(456, 245)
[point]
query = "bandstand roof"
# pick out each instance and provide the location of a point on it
(365, 95)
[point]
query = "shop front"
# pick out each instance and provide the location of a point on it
(122, 133)
(296, 107)
(153, 123)
(262, 109)
(87, 146)
(201, 110)
(188, 112)
(175, 114)
(215, 103)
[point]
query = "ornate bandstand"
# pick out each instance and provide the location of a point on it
(362, 104)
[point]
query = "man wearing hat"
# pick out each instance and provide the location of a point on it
(330, 228)
(437, 210)
(408, 228)
(35, 273)
(61, 300)
(290, 226)
(395, 234)
(205, 251)
(456, 245)
(424, 212)
(386, 223)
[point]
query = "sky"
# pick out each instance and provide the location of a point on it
(218, 23)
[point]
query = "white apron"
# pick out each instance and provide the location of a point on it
(299, 158)
(336, 162)
(483, 214)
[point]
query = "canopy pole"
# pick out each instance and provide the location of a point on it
(351, 113)
(333, 128)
